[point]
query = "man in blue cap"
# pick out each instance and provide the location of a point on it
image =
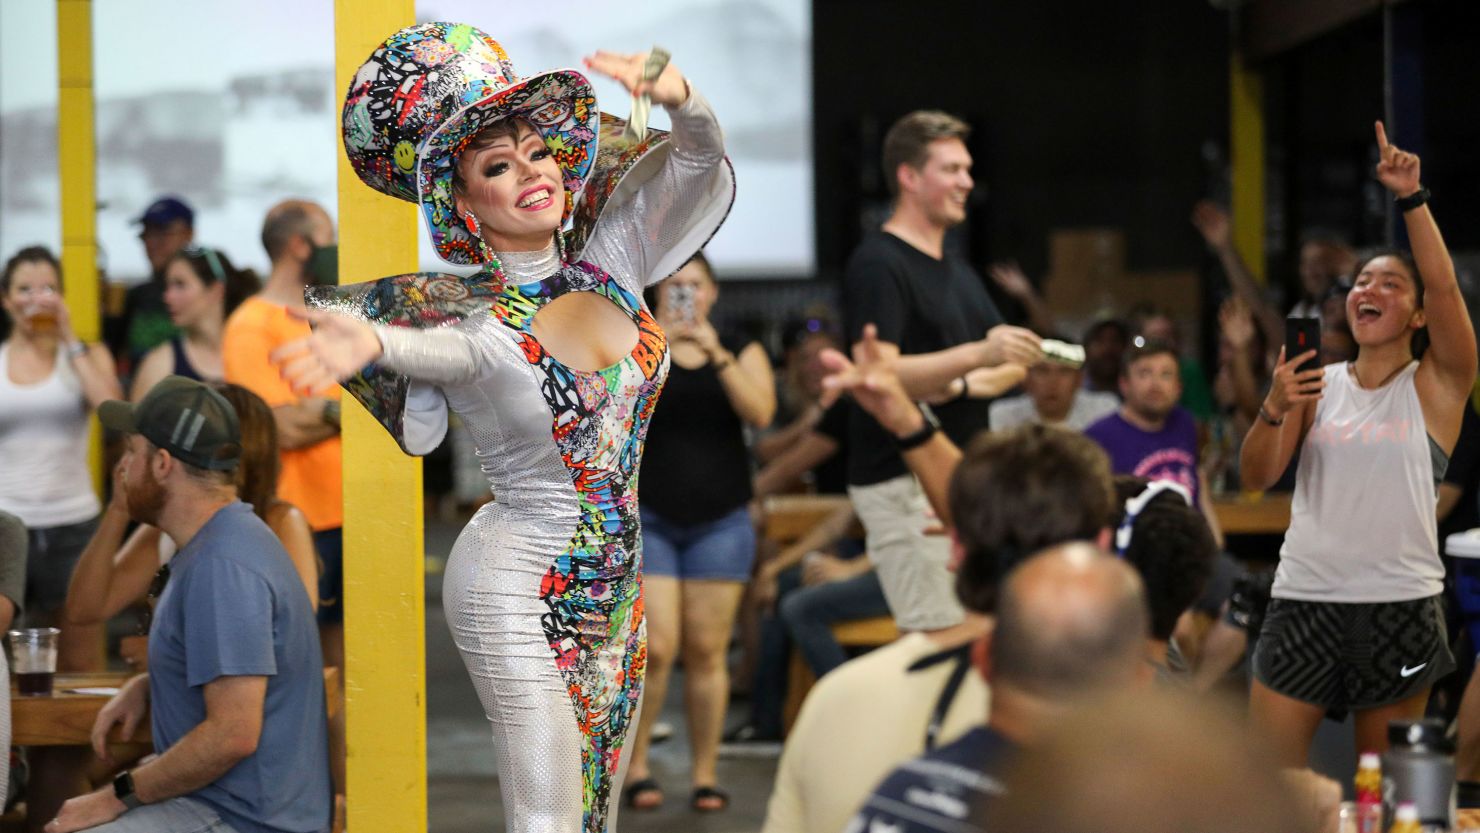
(168, 225)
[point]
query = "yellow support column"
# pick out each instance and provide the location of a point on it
(1246, 139)
(77, 168)
(384, 568)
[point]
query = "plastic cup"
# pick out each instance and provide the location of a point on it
(33, 659)
(1359, 818)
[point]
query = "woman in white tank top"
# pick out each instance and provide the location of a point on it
(1356, 622)
(49, 383)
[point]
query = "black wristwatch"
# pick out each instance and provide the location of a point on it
(923, 435)
(123, 789)
(1413, 200)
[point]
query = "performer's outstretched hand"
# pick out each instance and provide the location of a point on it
(338, 348)
(670, 89)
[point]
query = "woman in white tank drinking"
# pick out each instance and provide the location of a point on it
(1357, 622)
(49, 383)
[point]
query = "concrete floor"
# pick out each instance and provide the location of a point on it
(463, 793)
(463, 786)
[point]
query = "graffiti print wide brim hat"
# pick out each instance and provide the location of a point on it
(422, 96)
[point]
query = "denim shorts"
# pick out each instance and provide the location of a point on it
(719, 550)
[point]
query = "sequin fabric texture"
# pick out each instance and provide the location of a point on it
(543, 590)
(593, 590)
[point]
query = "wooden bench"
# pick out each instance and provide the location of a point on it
(787, 519)
(858, 634)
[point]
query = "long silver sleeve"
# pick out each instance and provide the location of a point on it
(442, 356)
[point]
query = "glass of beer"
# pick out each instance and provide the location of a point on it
(43, 319)
(33, 658)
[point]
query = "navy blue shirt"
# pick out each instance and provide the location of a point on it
(234, 606)
(943, 791)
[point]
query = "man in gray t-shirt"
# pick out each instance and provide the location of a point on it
(235, 688)
(13, 544)
(1054, 394)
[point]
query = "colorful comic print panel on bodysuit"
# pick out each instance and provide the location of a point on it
(593, 590)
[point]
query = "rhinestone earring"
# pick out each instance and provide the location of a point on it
(472, 223)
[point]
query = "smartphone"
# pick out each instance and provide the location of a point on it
(1303, 335)
(681, 297)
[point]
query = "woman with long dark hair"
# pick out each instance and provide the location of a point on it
(698, 537)
(1357, 622)
(201, 288)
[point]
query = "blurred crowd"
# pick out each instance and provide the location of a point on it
(1031, 563)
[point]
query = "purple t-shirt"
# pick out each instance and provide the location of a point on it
(1168, 454)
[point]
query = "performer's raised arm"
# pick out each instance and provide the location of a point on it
(677, 209)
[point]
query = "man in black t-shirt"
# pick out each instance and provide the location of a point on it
(934, 306)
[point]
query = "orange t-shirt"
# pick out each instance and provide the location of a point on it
(311, 478)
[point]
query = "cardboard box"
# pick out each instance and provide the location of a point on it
(1088, 280)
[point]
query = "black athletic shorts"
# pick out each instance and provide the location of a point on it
(1352, 656)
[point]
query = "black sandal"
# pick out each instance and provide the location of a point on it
(637, 788)
(707, 793)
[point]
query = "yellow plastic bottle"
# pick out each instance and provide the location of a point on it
(1369, 793)
(1406, 819)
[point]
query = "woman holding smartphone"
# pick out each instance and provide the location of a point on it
(698, 538)
(1357, 621)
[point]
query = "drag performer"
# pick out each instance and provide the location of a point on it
(550, 356)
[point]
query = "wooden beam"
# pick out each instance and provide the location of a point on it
(384, 567)
(1246, 141)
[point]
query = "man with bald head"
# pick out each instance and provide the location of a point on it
(297, 235)
(1071, 625)
(1009, 495)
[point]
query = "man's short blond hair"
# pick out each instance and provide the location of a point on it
(908, 141)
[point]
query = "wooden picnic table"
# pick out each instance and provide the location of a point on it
(1265, 513)
(65, 717)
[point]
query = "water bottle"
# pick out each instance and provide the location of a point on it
(1419, 768)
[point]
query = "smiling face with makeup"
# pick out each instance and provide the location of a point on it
(510, 182)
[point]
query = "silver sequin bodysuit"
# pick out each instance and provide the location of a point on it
(543, 590)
